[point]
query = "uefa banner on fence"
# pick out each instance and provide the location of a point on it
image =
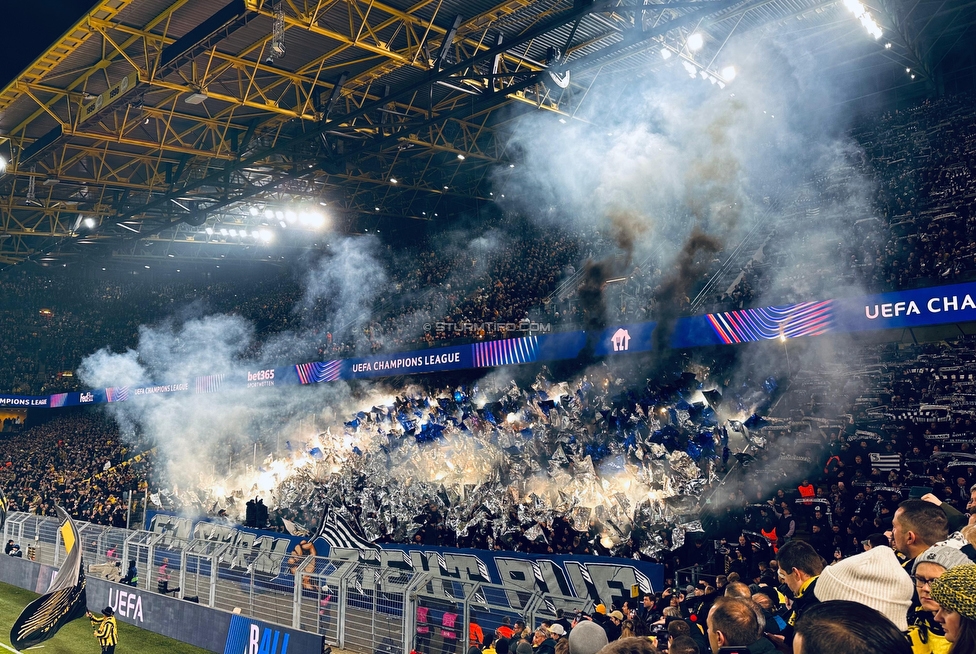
(899, 310)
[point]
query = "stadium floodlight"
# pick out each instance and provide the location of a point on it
(393, 180)
(863, 15)
(209, 231)
(460, 157)
(254, 211)
(665, 53)
(728, 73)
(283, 224)
(269, 214)
(690, 67)
(290, 216)
(223, 231)
(267, 235)
(695, 42)
(3, 164)
(233, 232)
(90, 223)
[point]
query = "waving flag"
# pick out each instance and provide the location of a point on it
(3, 510)
(64, 601)
(339, 533)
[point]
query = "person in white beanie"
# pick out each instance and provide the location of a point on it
(874, 578)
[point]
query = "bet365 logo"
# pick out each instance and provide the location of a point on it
(260, 375)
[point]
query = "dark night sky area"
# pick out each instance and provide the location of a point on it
(32, 26)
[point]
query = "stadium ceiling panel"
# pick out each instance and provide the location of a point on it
(156, 122)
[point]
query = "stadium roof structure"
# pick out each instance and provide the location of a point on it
(157, 128)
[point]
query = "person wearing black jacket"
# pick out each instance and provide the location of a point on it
(786, 526)
(800, 566)
(612, 626)
(131, 577)
(542, 643)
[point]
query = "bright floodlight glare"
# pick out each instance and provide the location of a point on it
(460, 157)
(266, 235)
(393, 180)
(317, 220)
(254, 211)
(690, 67)
(290, 216)
(695, 42)
(3, 164)
(233, 232)
(269, 214)
(854, 7)
(665, 53)
(89, 223)
(728, 73)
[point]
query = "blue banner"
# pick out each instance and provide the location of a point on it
(903, 309)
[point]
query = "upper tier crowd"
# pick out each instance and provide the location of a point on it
(909, 185)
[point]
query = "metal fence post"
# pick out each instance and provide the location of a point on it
(297, 592)
(341, 612)
(182, 572)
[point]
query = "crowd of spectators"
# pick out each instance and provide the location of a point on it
(914, 227)
(832, 485)
(78, 462)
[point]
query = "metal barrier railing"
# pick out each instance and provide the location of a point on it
(349, 598)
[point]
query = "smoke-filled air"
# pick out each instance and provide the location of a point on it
(650, 186)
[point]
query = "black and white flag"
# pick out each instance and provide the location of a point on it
(337, 532)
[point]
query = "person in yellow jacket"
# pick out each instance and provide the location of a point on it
(106, 629)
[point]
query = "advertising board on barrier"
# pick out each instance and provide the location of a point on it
(904, 309)
(250, 636)
(567, 579)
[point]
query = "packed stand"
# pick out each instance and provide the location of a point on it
(79, 463)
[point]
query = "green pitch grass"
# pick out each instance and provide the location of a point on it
(76, 637)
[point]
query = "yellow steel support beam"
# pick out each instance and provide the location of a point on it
(77, 35)
(99, 66)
